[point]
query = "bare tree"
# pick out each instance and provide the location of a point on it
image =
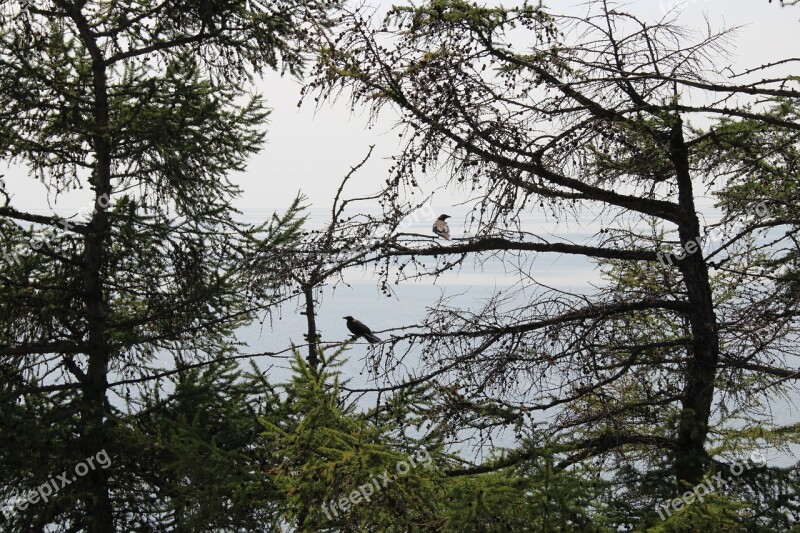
(630, 122)
(352, 238)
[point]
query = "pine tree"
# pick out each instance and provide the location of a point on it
(329, 451)
(147, 107)
(536, 113)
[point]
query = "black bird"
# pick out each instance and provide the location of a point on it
(441, 228)
(359, 329)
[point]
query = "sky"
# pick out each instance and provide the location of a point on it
(310, 149)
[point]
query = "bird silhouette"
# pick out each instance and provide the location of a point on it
(359, 329)
(441, 228)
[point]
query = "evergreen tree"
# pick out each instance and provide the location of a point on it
(672, 364)
(341, 468)
(148, 107)
(345, 470)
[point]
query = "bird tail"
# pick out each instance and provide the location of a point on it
(372, 339)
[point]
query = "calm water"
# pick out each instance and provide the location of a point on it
(361, 297)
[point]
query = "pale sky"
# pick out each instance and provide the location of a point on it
(310, 149)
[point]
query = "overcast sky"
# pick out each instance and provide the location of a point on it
(310, 150)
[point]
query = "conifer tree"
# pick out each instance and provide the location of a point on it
(538, 113)
(146, 106)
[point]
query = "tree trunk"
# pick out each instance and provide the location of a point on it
(691, 459)
(93, 439)
(311, 321)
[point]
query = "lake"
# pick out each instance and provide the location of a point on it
(361, 297)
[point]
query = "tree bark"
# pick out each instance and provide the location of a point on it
(93, 439)
(691, 459)
(311, 321)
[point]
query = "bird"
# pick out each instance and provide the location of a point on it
(441, 228)
(359, 329)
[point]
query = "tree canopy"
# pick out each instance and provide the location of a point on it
(118, 325)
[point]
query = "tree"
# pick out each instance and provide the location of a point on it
(625, 120)
(328, 452)
(195, 450)
(349, 240)
(147, 106)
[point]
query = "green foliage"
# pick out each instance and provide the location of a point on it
(530, 497)
(193, 449)
(327, 451)
(716, 514)
(150, 107)
(757, 159)
(441, 15)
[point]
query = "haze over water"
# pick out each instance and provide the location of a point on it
(361, 297)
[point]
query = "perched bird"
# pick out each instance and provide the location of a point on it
(441, 228)
(359, 329)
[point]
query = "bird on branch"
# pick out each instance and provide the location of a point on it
(359, 329)
(441, 228)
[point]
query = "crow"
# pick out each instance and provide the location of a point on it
(359, 329)
(441, 228)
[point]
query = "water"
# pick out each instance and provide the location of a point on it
(360, 296)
